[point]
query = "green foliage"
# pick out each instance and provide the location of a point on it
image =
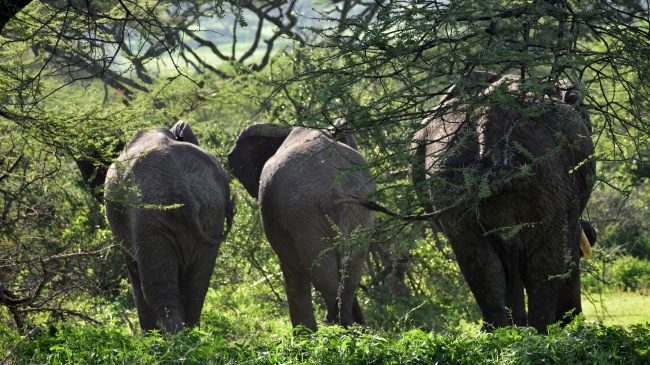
(384, 78)
(433, 296)
(622, 216)
(633, 275)
(614, 271)
(580, 343)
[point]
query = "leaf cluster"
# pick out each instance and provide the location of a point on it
(581, 343)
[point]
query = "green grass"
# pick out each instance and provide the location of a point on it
(617, 308)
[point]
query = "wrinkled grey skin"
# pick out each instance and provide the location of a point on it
(168, 204)
(297, 175)
(568, 301)
(518, 226)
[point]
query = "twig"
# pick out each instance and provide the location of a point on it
(33, 330)
(60, 311)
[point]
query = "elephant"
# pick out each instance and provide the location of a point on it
(508, 180)
(568, 301)
(299, 177)
(168, 203)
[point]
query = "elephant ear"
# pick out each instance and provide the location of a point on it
(184, 133)
(254, 146)
(343, 133)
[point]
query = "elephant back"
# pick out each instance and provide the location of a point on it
(538, 144)
(158, 176)
(312, 175)
(467, 153)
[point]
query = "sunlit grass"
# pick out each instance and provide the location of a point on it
(617, 308)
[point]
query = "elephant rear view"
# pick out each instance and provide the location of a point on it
(509, 179)
(304, 179)
(168, 204)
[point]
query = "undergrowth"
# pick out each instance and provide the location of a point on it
(579, 343)
(249, 324)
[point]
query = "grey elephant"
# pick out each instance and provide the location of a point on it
(168, 203)
(306, 181)
(508, 188)
(568, 303)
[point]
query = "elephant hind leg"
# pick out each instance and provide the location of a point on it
(338, 288)
(335, 314)
(543, 289)
(146, 314)
(515, 289)
(194, 285)
(337, 300)
(343, 308)
(569, 302)
(483, 270)
(516, 302)
(357, 313)
(298, 288)
(341, 314)
(159, 280)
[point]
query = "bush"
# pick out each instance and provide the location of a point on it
(629, 231)
(633, 274)
(579, 343)
(614, 271)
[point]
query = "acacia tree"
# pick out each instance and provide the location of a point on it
(74, 72)
(255, 29)
(77, 78)
(386, 76)
(51, 53)
(389, 74)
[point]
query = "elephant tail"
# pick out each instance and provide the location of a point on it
(215, 241)
(374, 206)
(230, 214)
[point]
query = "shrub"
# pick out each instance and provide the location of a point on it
(614, 271)
(633, 274)
(579, 343)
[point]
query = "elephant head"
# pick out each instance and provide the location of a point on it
(303, 179)
(257, 143)
(167, 204)
(510, 187)
(254, 146)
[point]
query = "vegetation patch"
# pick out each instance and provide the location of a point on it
(580, 343)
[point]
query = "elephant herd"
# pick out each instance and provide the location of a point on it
(506, 187)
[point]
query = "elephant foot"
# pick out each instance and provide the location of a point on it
(357, 313)
(341, 315)
(171, 322)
